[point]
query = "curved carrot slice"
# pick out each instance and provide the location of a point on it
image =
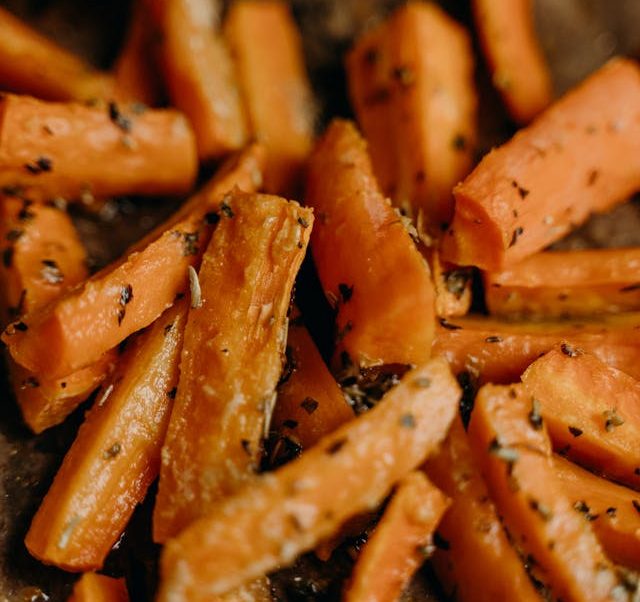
(517, 65)
(282, 514)
(578, 157)
(92, 587)
(397, 547)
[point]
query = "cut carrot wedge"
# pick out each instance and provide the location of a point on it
(566, 283)
(130, 294)
(471, 547)
(92, 587)
(511, 445)
(232, 356)
(578, 157)
(367, 263)
(71, 150)
(452, 286)
(116, 455)
(304, 502)
(592, 411)
(267, 49)
(411, 83)
(397, 547)
(516, 63)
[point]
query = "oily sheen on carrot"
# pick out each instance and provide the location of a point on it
(130, 294)
(282, 514)
(411, 84)
(367, 263)
(516, 63)
(582, 155)
(267, 49)
(232, 356)
(509, 439)
(92, 587)
(591, 409)
(398, 544)
(116, 455)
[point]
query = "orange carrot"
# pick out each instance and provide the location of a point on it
(452, 286)
(397, 547)
(517, 65)
(367, 263)
(99, 588)
(592, 410)
(575, 159)
(130, 294)
(71, 150)
(232, 356)
(268, 52)
(199, 74)
(289, 511)
(411, 83)
(116, 455)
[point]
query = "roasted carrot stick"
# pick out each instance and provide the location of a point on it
(452, 286)
(411, 83)
(592, 410)
(199, 74)
(289, 511)
(365, 258)
(99, 588)
(517, 65)
(70, 150)
(116, 455)
(268, 52)
(473, 558)
(575, 159)
(398, 544)
(232, 356)
(130, 294)
(510, 442)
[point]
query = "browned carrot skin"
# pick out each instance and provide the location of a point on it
(411, 83)
(304, 502)
(199, 74)
(232, 356)
(575, 159)
(592, 410)
(452, 285)
(397, 547)
(472, 547)
(367, 263)
(116, 455)
(513, 450)
(99, 588)
(267, 49)
(517, 65)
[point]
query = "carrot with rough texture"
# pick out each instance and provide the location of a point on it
(592, 410)
(452, 285)
(131, 293)
(400, 542)
(516, 63)
(582, 155)
(116, 455)
(411, 83)
(368, 265)
(513, 450)
(292, 509)
(267, 48)
(99, 588)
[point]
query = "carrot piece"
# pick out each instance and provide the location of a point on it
(232, 357)
(116, 455)
(92, 587)
(130, 294)
(472, 547)
(281, 514)
(514, 452)
(365, 257)
(516, 63)
(592, 410)
(452, 286)
(267, 48)
(490, 350)
(199, 74)
(70, 150)
(567, 283)
(397, 547)
(411, 83)
(575, 159)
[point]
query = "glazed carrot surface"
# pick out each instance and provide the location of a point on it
(92, 587)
